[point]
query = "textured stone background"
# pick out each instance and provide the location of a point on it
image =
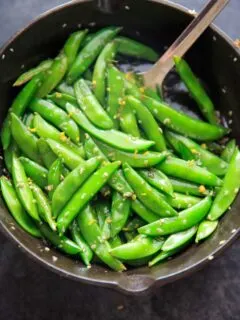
(28, 291)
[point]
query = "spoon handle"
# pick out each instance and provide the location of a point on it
(186, 39)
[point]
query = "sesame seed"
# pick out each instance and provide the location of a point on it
(230, 113)
(193, 12)
(236, 190)
(3, 56)
(79, 25)
(22, 66)
(214, 38)
(127, 7)
(224, 90)
(120, 307)
(54, 258)
(230, 121)
(233, 230)
(64, 25)
(210, 257)
(92, 24)
(12, 227)
(222, 242)
(47, 249)
(235, 59)
(166, 121)
(11, 49)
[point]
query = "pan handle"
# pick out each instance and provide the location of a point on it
(108, 6)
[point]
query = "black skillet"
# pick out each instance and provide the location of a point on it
(157, 23)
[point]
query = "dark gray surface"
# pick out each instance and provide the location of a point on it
(28, 291)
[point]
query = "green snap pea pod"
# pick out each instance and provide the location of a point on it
(149, 196)
(89, 53)
(73, 44)
(115, 84)
(186, 153)
(56, 116)
(99, 80)
(189, 170)
(140, 247)
(179, 239)
(8, 154)
(147, 121)
(104, 218)
(61, 99)
(182, 123)
(18, 107)
(26, 141)
(93, 184)
(163, 255)
(196, 90)
(209, 160)
(205, 229)
(23, 190)
(153, 94)
(185, 187)
(182, 201)
(228, 151)
(120, 211)
(88, 38)
(157, 179)
(112, 137)
(16, 208)
(46, 130)
(62, 243)
(28, 75)
(69, 158)
(143, 212)
(130, 235)
(115, 242)
(137, 160)
(136, 49)
(34, 171)
(185, 220)
(43, 205)
(117, 180)
(54, 75)
(90, 105)
(93, 236)
(29, 122)
(63, 87)
(54, 176)
(46, 153)
(66, 189)
(229, 189)
(86, 252)
(128, 120)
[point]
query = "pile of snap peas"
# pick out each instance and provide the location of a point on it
(105, 170)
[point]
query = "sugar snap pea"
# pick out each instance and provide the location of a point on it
(29, 122)
(73, 44)
(209, 160)
(63, 87)
(99, 73)
(182, 201)
(35, 171)
(104, 218)
(115, 242)
(61, 99)
(127, 120)
(113, 137)
(183, 123)
(189, 170)
(56, 116)
(143, 212)
(146, 194)
(196, 89)
(228, 151)
(93, 184)
(186, 187)
(185, 220)
(66, 189)
(120, 211)
(93, 235)
(163, 255)
(54, 176)
(16, 208)
(229, 189)
(46, 153)
(179, 239)
(89, 53)
(22, 188)
(205, 229)
(8, 154)
(43, 205)
(137, 160)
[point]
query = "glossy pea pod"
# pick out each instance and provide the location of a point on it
(149, 196)
(182, 123)
(53, 76)
(100, 69)
(54, 176)
(35, 172)
(136, 160)
(127, 119)
(178, 168)
(61, 99)
(28, 75)
(120, 211)
(86, 192)
(209, 160)
(29, 122)
(185, 220)
(43, 205)
(196, 90)
(178, 239)
(18, 107)
(90, 105)
(228, 151)
(15, 207)
(86, 252)
(22, 188)
(143, 212)
(229, 189)
(93, 236)
(188, 188)
(148, 123)
(89, 52)
(205, 229)
(66, 189)
(56, 116)
(181, 201)
(46, 153)
(8, 154)
(113, 137)
(63, 87)
(102, 209)
(115, 242)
